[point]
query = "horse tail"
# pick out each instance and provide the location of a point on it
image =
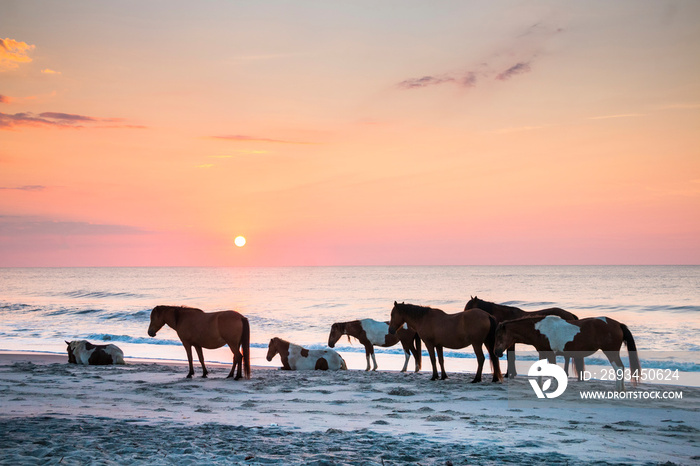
(490, 343)
(635, 366)
(245, 344)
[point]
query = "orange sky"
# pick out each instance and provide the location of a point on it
(349, 133)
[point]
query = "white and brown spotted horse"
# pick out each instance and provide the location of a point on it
(84, 352)
(552, 335)
(297, 358)
(373, 333)
(504, 313)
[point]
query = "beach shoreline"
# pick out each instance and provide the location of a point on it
(148, 411)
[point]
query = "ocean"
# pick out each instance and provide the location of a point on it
(40, 308)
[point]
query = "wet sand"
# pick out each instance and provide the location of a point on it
(56, 413)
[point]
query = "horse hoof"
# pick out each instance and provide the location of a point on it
(476, 380)
(204, 376)
(189, 376)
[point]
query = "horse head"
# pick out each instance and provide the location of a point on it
(472, 303)
(272, 348)
(337, 331)
(503, 340)
(71, 355)
(157, 320)
(397, 319)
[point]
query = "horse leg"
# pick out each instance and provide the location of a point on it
(237, 362)
(495, 365)
(431, 353)
(579, 365)
(442, 362)
(407, 354)
(201, 361)
(188, 350)
(566, 364)
(369, 352)
(479, 352)
(614, 358)
(415, 349)
(510, 356)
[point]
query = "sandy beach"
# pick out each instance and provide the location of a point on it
(145, 411)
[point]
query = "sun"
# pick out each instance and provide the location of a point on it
(239, 241)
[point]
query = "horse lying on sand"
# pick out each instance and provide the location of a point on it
(551, 335)
(503, 313)
(84, 352)
(372, 333)
(209, 330)
(296, 358)
(438, 329)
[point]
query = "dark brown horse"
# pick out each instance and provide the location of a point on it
(439, 330)
(371, 332)
(503, 313)
(209, 330)
(552, 335)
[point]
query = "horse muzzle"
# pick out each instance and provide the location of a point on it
(151, 333)
(392, 331)
(498, 352)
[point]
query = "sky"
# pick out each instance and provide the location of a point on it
(349, 133)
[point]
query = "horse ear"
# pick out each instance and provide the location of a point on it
(67, 343)
(395, 303)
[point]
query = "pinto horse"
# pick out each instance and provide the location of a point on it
(209, 330)
(297, 358)
(440, 330)
(503, 313)
(372, 333)
(552, 335)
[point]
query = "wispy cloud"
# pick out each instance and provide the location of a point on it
(59, 120)
(518, 129)
(517, 58)
(518, 68)
(425, 81)
(49, 71)
(4, 99)
(14, 225)
(243, 138)
(31, 187)
(13, 53)
(620, 115)
(681, 106)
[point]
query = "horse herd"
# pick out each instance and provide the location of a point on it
(551, 331)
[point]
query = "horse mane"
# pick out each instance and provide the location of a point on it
(488, 305)
(189, 308)
(523, 319)
(413, 310)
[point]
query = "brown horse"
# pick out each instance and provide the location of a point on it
(552, 335)
(371, 332)
(503, 313)
(439, 330)
(209, 330)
